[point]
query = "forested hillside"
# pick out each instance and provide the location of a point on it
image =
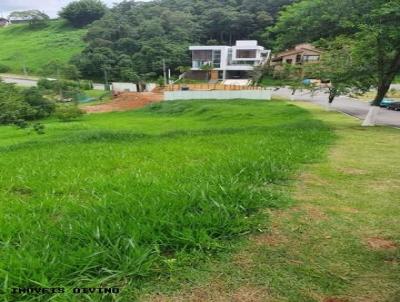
(133, 38)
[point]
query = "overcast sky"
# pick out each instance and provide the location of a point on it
(50, 7)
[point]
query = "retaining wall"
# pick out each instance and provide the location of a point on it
(218, 95)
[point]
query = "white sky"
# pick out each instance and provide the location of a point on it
(50, 7)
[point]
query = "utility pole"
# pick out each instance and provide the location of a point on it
(59, 83)
(165, 73)
(106, 84)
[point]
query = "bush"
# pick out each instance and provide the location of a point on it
(86, 85)
(42, 106)
(83, 12)
(4, 68)
(68, 112)
(13, 106)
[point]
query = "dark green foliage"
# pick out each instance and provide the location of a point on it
(42, 106)
(134, 38)
(370, 26)
(4, 68)
(83, 12)
(13, 107)
(18, 105)
(38, 128)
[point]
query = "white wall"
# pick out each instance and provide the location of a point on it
(218, 95)
(123, 87)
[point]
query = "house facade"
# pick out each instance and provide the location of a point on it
(227, 62)
(300, 54)
(4, 22)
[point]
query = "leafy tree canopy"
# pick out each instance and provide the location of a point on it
(135, 37)
(83, 12)
(370, 25)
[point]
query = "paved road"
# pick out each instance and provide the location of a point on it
(344, 104)
(27, 82)
(21, 80)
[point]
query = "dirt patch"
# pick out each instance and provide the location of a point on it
(352, 171)
(216, 292)
(344, 209)
(270, 239)
(250, 294)
(126, 101)
(378, 243)
(244, 260)
(311, 212)
(335, 300)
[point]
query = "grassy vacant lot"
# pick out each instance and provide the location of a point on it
(36, 47)
(338, 242)
(123, 199)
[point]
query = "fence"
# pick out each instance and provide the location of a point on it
(207, 86)
(259, 94)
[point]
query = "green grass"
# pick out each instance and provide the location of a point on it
(121, 199)
(317, 249)
(36, 47)
(268, 81)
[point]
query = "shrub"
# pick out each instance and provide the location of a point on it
(38, 128)
(12, 105)
(42, 106)
(4, 68)
(68, 112)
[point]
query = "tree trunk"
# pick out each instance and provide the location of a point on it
(370, 120)
(383, 89)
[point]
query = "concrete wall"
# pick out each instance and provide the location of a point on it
(123, 87)
(218, 95)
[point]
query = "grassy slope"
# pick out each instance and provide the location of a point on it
(318, 249)
(38, 46)
(117, 199)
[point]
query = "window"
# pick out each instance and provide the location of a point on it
(216, 58)
(246, 53)
(310, 58)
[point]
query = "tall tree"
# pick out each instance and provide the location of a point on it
(83, 12)
(371, 24)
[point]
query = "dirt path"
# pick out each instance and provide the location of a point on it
(126, 101)
(338, 242)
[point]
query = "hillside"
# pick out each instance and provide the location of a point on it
(36, 47)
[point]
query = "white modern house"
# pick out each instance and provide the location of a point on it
(228, 62)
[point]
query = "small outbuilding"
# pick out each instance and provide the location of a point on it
(4, 22)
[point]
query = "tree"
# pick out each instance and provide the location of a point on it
(18, 106)
(35, 18)
(207, 68)
(340, 68)
(83, 12)
(146, 33)
(371, 24)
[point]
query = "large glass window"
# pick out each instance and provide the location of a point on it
(216, 58)
(246, 53)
